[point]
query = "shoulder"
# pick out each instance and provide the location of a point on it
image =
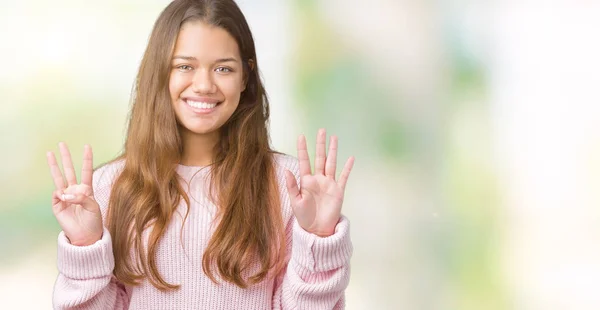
(285, 162)
(103, 180)
(107, 173)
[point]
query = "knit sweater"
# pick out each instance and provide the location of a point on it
(315, 277)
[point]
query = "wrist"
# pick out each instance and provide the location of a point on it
(86, 242)
(324, 232)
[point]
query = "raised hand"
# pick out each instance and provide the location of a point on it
(317, 204)
(74, 207)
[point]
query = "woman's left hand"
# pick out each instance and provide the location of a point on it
(317, 204)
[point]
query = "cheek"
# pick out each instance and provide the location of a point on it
(232, 89)
(177, 85)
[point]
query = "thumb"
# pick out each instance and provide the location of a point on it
(292, 186)
(85, 201)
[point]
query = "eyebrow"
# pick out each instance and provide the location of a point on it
(190, 58)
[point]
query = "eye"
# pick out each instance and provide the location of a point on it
(223, 70)
(184, 68)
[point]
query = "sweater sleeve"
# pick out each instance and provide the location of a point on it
(85, 273)
(317, 272)
(318, 269)
(85, 279)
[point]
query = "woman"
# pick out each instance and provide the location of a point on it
(199, 212)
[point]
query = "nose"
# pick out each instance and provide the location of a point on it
(203, 83)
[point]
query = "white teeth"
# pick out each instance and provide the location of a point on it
(201, 105)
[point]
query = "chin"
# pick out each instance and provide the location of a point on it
(198, 130)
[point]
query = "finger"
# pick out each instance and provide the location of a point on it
(80, 199)
(303, 159)
(67, 164)
(292, 186)
(346, 172)
(330, 165)
(88, 169)
(57, 177)
(320, 158)
(57, 203)
(56, 196)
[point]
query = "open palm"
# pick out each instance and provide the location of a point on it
(73, 205)
(317, 202)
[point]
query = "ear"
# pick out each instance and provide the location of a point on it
(247, 73)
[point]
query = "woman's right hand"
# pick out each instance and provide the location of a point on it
(73, 205)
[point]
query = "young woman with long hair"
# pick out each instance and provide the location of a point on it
(199, 212)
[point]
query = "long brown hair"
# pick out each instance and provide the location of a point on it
(243, 185)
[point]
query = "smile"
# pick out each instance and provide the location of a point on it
(200, 105)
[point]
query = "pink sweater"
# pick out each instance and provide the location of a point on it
(316, 275)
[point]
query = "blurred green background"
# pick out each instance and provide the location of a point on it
(475, 124)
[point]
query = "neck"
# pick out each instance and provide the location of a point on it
(198, 149)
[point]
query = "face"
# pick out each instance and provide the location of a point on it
(206, 78)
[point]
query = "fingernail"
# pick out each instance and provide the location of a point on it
(67, 197)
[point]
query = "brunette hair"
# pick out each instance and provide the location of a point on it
(243, 185)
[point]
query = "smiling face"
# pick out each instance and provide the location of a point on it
(206, 78)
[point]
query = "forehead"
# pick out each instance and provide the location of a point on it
(203, 41)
